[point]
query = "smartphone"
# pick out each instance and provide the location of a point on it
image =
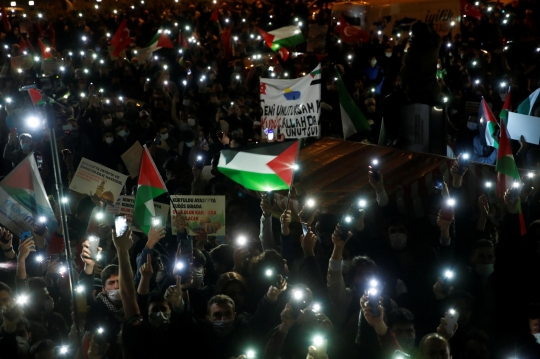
(156, 221)
(219, 135)
(186, 246)
(297, 302)
(375, 168)
(199, 162)
(373, 299)
(438, 181)
(94, 244)
(181, 268)
(321, 344)
(305, 229)
(308, 210)
(347, 225)
(80, 298)
(41, 225)
(39, 161)
(270, 196)
(464, 159)
(25, 235)
(204, 142)
(451, 318)
(272, 276)
(120, 224)
(270, 134)
(515, 190)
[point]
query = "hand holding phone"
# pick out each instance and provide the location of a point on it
(438, 182)
(375, 169)
(463, 160)
(120, 225)
(451, 317)
(347, 225)
(515, 191)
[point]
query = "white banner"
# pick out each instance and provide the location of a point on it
(126, 205)
(203, 213)
(293, 106)
(92, 178)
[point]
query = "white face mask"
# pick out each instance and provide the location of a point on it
(122, 133)
(160, 318)
(109, 140)
(164, 136)
(537, 337)
(484, 270)
(190, 144)
(373, 62)
(473, 126)
(198, 276)
(438, 66)
(191, 122)
(388, 54)
(114, 296)
(398, 240)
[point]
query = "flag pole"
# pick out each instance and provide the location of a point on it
(49, 119)
(292, 177)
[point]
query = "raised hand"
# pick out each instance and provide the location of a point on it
(25, 248)
(287, 319)
(86, 254)
(441, 329)
(146, 269)
(438, 289)
(173, 294)
(154, 236)
(266, 206)
(124, 242)
(275, 290)
(336, 237)
(377, 322)
(308, 243)
(483, 205)
(97, 350)
(6, 238)
(285, 219)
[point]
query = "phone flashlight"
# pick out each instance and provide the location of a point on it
(42, 219)
(100, 330)
(488, 184)
(269, 272)
(241, 241)
(310, 202)
(316, 307)
(297, 294)
(64, 200)
(63, 269)
(99, 216)
(156, 221)
(250, 354)
(373, 283)
(452, 311)
(296, 167)
(362, 203)
(22, 299)
(179, 265)
(451, 202)
(39, 259)
(375, 168)
(63, 349)
(530, 174)
(448, 274)
(318, 341)
(79, 289)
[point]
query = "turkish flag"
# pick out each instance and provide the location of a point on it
(215, 15)
(468, 9)
(284, 53)
(120, 34)
(350, 33)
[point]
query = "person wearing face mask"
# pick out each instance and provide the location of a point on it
(17, 148)
(125, 138)
(44, 322)
(106, 151)
(15, 334)
(164, 141)
(145, 128)
(119, 112)
(374, 74)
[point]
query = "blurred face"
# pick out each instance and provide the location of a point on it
(235, 292)
(435, 348)
(221, 312)
(5, 298)
(403, 330)
(534, 325)
(156, 307)
(483, 256)
(111, 283)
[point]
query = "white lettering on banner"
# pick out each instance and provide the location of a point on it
(292, 106)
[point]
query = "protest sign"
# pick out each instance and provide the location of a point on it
(293, 106)
(132, 159)
(23, 198)
(144, 55)
(24, 62)
(203, 213)
(523, 125)
(92, 178)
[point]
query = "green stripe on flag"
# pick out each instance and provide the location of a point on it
(291, 41)
(507, 166)
(141, 213)
(353, 120)
(255, 181)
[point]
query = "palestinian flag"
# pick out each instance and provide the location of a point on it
(45, 51)
(36, 98)
(150, 186)
(530, 104)
(266, 167)
(489, 124)
(352, 119)
(287, 36)
(160, 40)
(507, 170)
(507, 107)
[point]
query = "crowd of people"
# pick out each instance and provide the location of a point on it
(462, 284)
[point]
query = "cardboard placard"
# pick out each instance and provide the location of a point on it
(132, 159)
(203, 213)
(92, 178)
(24, 62)
(523, 125)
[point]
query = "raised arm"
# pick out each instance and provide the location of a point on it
(266, 236)
(127, 286)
